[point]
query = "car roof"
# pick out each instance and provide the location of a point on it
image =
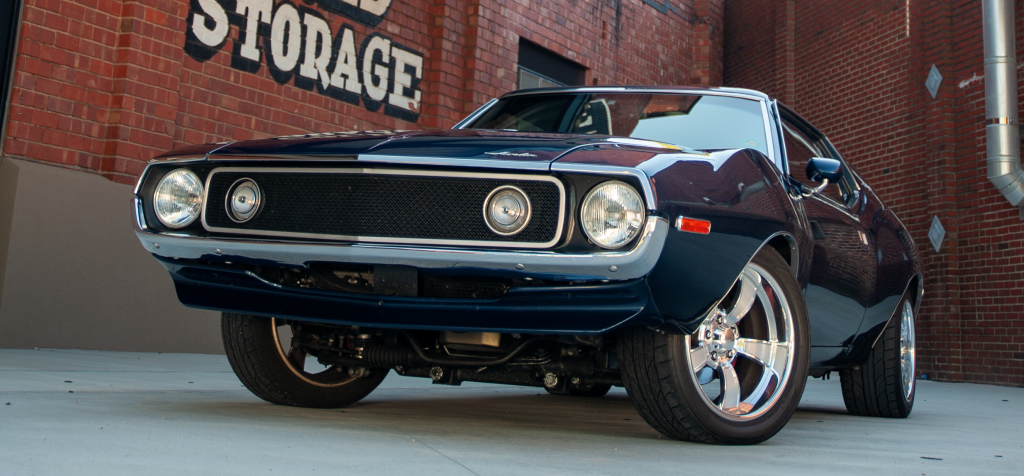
(735, 92)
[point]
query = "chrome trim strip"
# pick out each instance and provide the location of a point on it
(293, 157)
(536, 165)
(475, 114)
(731, 92)
(645, 182)
(382, 239)
(631, 264)
(766, 117)
(140, 215)
(777, 121)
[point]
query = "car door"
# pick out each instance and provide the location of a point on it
(843, 269)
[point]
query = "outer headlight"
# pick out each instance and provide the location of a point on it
(612, 214)
(178, 199)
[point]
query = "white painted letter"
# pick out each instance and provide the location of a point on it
(286, 16)
(345, 67)
(404, 80)
(255, 12)
(379, 71)
(215, 36)
(313, 65)
(376, 7)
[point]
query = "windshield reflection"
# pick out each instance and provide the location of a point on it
(691, 121)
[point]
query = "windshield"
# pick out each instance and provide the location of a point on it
(687, 120)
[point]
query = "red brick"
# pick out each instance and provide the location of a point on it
(850, 68)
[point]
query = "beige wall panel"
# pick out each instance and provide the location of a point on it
(8, 191)
(77, 277)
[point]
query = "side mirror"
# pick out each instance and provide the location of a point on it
(820, 169)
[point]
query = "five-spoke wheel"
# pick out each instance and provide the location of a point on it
(738, 378)
(741, 357)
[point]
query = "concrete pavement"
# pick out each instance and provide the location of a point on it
(144, 413)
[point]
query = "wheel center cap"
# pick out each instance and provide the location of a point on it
(721, 340)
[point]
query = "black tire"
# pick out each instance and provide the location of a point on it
(587, 390)
(665, 390)
(252, 347)
(877, 388)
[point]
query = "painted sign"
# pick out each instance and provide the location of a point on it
(296, 42)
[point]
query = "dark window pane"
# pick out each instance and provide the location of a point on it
(527, 114)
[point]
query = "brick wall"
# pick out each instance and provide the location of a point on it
(103, 85)
(857, 70)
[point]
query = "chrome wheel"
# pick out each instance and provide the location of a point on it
(742, 355)
(738, 378)
(908, 355)
(308, 370)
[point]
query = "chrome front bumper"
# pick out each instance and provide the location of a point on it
(613, 265)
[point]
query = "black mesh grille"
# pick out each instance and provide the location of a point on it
(381, 205)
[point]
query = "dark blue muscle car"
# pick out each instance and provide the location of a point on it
(707, 249)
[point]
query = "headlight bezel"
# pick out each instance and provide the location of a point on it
(158, 184)
(641, 211)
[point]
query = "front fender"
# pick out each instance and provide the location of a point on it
(742, 194)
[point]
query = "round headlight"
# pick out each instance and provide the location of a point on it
(178, 199)
(243, 200)
(612, 214)
(507, 210)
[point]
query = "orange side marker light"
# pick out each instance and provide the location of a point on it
(693, 225)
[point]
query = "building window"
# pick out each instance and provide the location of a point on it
(531, 79)
(540, 68)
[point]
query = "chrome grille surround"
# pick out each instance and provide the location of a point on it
(497, 242)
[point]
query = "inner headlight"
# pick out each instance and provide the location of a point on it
(612, 214)
(178, 199)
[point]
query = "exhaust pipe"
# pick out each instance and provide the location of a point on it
(1002, 122)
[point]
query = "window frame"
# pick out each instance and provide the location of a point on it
(849, 186)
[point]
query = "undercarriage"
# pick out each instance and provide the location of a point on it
(561, 364)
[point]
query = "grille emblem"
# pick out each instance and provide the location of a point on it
(243, 200)
(507, 210)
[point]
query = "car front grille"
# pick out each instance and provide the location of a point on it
(384, 206)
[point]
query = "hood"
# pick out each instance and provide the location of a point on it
(454, 144)
(450, 144)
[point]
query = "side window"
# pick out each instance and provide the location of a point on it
(849, 187)
(799, 149)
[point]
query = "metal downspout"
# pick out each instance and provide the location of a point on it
(1002, 123)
